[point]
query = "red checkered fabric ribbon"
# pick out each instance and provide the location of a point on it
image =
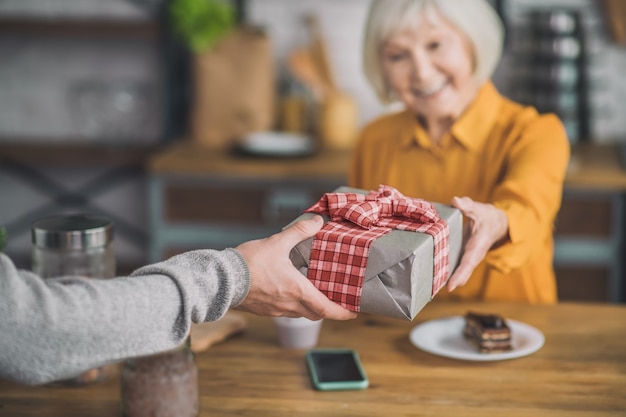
(340, 250)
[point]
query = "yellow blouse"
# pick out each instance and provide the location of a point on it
(497, 152)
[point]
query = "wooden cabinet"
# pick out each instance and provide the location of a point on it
(589, 239)
(211, 199)
(211, 212)
(590, 231)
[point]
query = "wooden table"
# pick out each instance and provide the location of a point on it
(580, 371)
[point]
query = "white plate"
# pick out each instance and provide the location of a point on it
(444, 337)
(277, 144)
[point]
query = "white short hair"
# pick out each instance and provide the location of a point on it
(476, 19)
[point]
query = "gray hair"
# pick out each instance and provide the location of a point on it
(476, 19)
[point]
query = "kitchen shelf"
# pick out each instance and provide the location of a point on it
(215, 199)
(34, 153)
(108, 176)
(148, 29)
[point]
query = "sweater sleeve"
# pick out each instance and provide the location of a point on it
(56, 328)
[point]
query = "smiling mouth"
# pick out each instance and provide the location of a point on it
(425, 92)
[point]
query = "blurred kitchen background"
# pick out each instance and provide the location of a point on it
(92, 90)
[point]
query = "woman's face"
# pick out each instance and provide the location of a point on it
(430, 69)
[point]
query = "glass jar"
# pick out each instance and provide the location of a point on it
(75, 245)
(161, 385)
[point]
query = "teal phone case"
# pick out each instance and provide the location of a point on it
(336, 369)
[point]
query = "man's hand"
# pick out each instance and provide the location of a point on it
(486, 227)
(277, 288)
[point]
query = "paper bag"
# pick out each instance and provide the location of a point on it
(398, 280)
(234, 92)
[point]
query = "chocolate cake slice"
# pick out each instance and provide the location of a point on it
(487, 332)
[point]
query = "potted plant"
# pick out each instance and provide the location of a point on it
(201, 23)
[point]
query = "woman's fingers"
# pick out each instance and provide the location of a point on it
(486, 225)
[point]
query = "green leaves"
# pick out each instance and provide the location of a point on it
(201, 23)
(3, 237)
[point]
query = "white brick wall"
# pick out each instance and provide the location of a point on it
(341, 22)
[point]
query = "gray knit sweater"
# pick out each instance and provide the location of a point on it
(56, 328)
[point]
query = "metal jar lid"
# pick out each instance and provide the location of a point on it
(75, 231)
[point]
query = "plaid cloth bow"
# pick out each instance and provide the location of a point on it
(340, 250)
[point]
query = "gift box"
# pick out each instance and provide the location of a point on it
(407, 249)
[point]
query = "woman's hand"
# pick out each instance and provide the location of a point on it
(277, 288)
(486, 227)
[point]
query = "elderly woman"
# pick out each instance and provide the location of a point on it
(458, 141)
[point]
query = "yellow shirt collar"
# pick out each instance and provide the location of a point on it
(471, 129)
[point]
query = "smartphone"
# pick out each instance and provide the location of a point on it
(336, 369)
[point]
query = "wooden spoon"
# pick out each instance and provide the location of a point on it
(301, 65)
(319, 53)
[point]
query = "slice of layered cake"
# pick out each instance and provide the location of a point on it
(487, 332)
